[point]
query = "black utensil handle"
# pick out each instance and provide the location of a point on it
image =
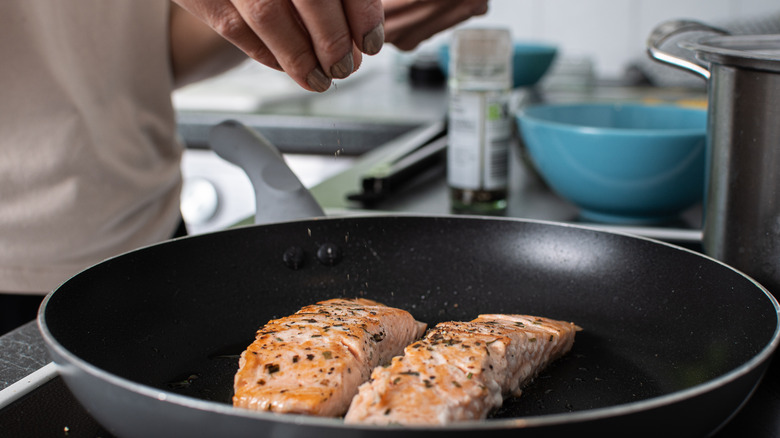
(381, 185)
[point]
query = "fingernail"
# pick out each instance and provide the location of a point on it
(343, 68)
(372, 41)
(317, 80)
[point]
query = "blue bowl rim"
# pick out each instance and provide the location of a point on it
(526, 114)
(534, 47)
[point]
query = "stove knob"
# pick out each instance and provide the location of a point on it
(199, 201)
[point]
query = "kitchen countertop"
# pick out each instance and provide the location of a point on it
(22, 351)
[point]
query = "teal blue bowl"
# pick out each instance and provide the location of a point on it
(530, 62)
(627, 163)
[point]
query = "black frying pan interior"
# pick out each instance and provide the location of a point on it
(656, 319)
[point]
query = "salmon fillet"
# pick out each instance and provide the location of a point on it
(313, 361)
(460, 371)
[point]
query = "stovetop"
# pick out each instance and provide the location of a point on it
(51, 410)
(35, 402)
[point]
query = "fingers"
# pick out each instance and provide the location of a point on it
(366, 23)
(410, 22)
(337, 27)
(278, 26)
(225, 19)
(313, 41)
(327, 26)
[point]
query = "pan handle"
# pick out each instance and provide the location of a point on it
(668, 29)
(279, 194)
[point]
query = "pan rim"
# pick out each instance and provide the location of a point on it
(147, 391)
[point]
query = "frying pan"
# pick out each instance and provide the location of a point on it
(674, 342)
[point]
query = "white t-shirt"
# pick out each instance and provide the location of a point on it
(89, 158)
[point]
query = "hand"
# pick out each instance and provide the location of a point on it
(313, 41)
(410, 22)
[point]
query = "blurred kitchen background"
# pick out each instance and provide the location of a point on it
(599, 42)
(612, 33)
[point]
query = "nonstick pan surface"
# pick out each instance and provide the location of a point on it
(673, 341)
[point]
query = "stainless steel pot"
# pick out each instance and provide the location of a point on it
(742, 201)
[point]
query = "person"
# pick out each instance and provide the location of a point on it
(89, 157)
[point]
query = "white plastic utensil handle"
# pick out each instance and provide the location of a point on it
(28, 384)
(279, 194)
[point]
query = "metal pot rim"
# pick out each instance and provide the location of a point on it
(751, 51)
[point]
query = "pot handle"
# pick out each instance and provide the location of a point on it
(279, 194)
(670, 28)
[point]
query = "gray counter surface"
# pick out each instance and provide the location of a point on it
(21, 352)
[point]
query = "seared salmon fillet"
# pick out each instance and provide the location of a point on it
(460, 371)
(313, 361)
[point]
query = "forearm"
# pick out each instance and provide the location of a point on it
(197, 51)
